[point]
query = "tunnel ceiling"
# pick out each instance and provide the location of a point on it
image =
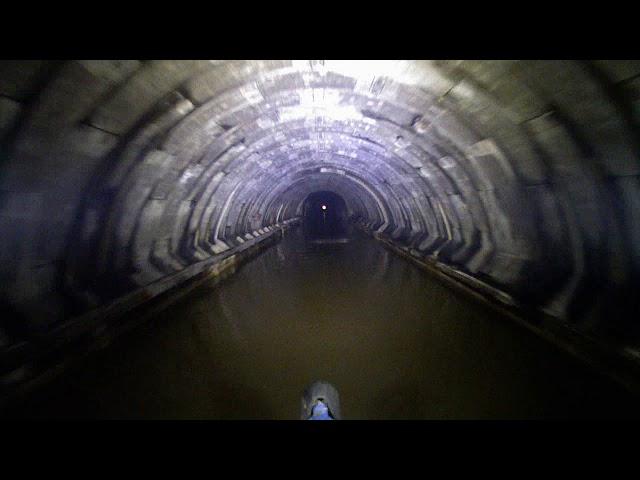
(117, 174)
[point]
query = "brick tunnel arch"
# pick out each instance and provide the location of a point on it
(118, 174)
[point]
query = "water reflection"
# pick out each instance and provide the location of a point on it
(395, 342)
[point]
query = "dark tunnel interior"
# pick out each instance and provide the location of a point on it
(127, 185)
(325, 216)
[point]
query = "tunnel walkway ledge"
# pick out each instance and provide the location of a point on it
(617, 362)
(96, 329)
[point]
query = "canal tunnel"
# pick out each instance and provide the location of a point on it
(325, 216)
(122, 182)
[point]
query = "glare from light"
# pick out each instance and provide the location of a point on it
(365, 69)
(324, 207)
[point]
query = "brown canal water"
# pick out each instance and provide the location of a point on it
(395, 342)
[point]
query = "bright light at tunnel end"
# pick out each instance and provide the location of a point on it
(324, 207)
